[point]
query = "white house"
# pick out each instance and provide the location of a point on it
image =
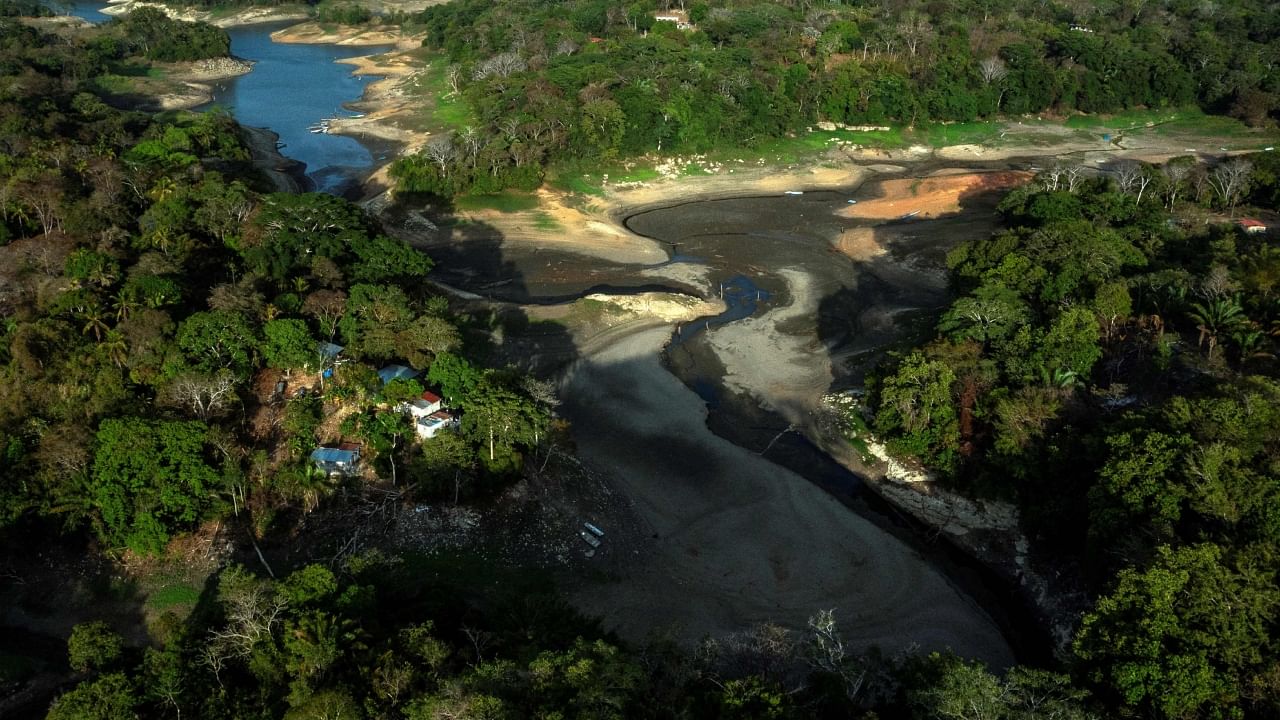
(431, 425)
(422, 407)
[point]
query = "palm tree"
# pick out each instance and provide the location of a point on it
(163, 189)
(1216, 318)
(124, 303)
(115, 348)
(1250, 341)
(94, 321)
(1063, 378)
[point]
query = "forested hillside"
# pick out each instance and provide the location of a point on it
(1114, 371)
(157, 307)
(177, 341)
(594, 80)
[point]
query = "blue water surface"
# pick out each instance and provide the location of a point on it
(91, 11)
(292, 89)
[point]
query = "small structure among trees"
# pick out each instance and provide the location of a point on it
(337, 461)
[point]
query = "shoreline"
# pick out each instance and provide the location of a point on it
(285, 173)
(253, 15)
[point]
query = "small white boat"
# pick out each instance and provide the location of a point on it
(910, 215)
(793, 192)
(594, 530)
(852, 202)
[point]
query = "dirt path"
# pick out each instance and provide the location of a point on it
(737, 540)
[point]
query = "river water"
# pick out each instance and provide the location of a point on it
(291, 90)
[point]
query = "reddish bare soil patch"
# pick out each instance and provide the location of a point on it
(933, 196)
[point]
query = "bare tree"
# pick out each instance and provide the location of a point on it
(1075, 174)
(1217, 284)
(1229, 180)
(826, 647)
(453, 76)
(1127, 174)
(500, 65)
(914, 30)
(1133, 179)
(994, 71)
(327, 307)
(253, 610)
(42, 196)
(766, 650)
(1052, 176)
(1175, 173)
(566, 46)
(204, 396)
(441, 151)
(471, 144)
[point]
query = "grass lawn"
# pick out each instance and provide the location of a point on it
(509, 201)
(544, 221)
(961, 133)
(584, 179)
(440, 110)
(173, 596)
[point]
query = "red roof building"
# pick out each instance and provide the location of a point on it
(1251, 225)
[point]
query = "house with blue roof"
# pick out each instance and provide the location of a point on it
(330, 357)
(329, 352)
(397, 372)
(339, 460)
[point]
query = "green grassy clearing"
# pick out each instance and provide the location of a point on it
(171, 596)
(968, 133)
(441, 111)
(1185, 125)
(506, 202)
(544, 221)
(589, 180)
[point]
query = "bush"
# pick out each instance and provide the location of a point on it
(93, 646)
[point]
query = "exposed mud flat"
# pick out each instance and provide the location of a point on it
(738, 540)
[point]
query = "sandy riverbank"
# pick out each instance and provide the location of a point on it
(314, 33)
(253, 15)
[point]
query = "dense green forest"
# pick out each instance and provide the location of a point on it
(1114, 371)
(152, 293)
(147, 284)
(593, 80)
(1109, 363)
(425, 640)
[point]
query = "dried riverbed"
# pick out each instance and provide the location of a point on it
(690, 435)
